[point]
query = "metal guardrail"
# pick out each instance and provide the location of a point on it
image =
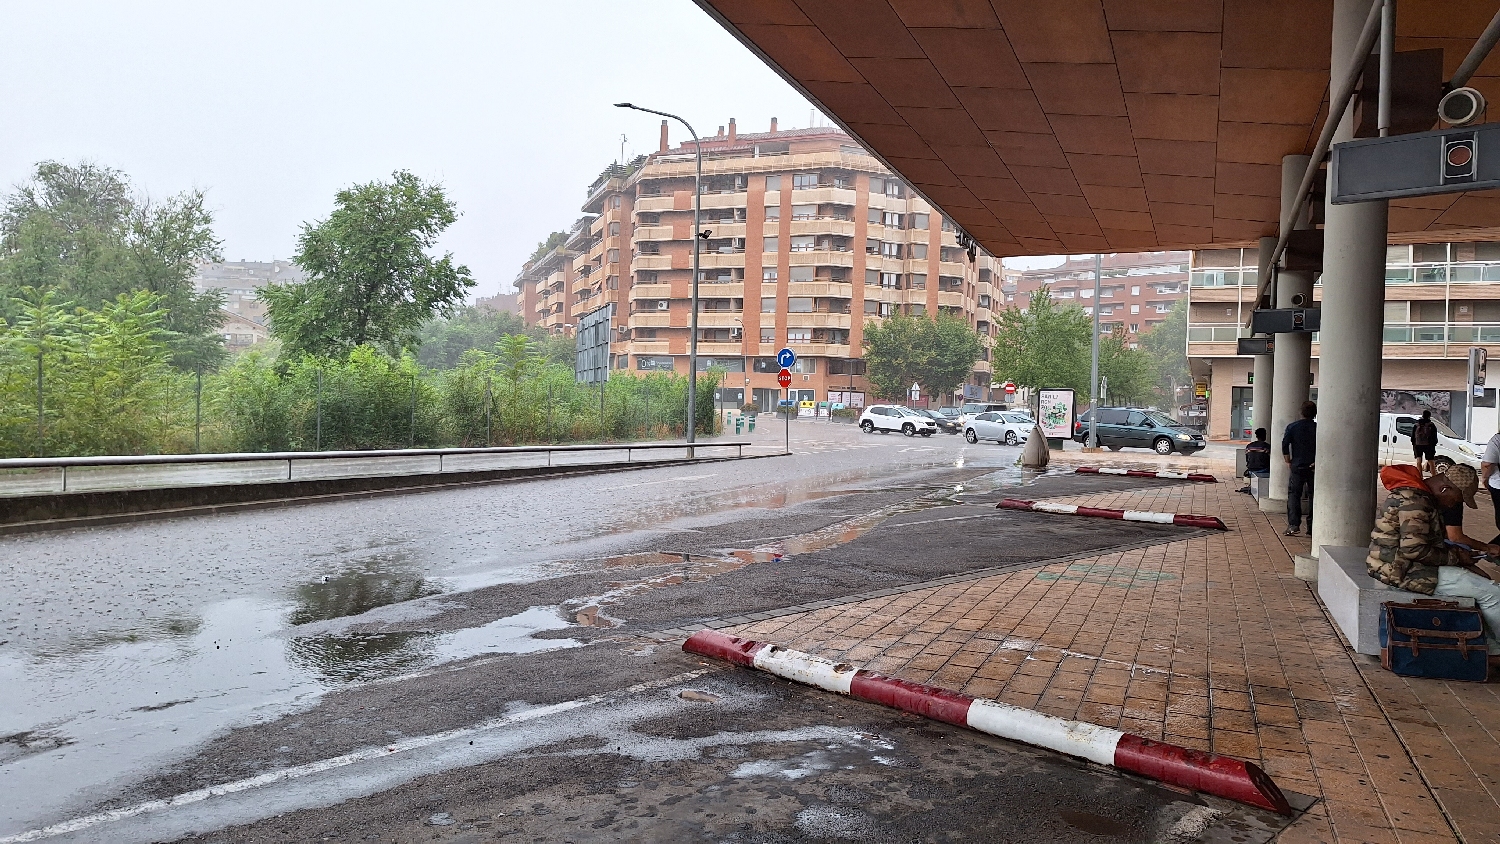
(58, 475)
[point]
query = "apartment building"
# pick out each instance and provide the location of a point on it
(239, 281)
(1440, 299)
(1136, 292)
(806, 237)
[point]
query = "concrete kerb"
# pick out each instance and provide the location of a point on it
(1221, 776)
(1057, 508)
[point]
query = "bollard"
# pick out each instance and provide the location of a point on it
(752, 425)
(739, 425)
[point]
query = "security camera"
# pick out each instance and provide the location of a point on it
(1461, 106)
(1299, 299)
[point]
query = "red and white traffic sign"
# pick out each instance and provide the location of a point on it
(1010, 388)
(784, 378)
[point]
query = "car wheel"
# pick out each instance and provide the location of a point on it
(971, 436)
(867, 426)
(1010, 438)
(1115, 447)
(908, 430)
(1441, 465)
(1162, 445)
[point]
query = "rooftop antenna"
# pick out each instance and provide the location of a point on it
(622, 149)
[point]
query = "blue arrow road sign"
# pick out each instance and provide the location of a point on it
(785, 358)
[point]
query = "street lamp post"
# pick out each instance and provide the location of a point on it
(692, 390)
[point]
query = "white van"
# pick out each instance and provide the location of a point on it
(1395, 443)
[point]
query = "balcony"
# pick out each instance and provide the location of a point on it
(818, 320)
(958, 269)
(651, 262)
(835, 289)
(655, 203)
(721, 289)
(1215, 332)
(721, 260)
(720, 319)
(953, 299)
(651, 291)
(723, 200)
(648, 347)
(653, 233)
(711, 348)
(821, 258)
(821, 195)
(823, 225)
(649, 319)
(735, 230)
(818, 348)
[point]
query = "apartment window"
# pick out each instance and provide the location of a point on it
(768, 335)
(918, 281)
(799, 335)
(1085, 293)
(1134, 327)
(614, 258)
(872, 307)
(768, 274)
(773, 212)
(894, 188)
(804, 243)
(873, 216)
(872, 246)
(803, 273)
(892, 219)
(773, 183)
(645, 333)
(892, 280)
(614, 228)
(613, 282)
(804, 180)
(768, 305)
(799, 305)
(919, 251)
(872, 277)
(919, 221)
(614, 202)
(1135, 309)
(771, 244)
(877, 185)
(917, 310)
(804, 212)
(984, 301)
(1135, 290)
(890, 250)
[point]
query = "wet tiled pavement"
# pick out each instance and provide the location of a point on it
(1209, 642)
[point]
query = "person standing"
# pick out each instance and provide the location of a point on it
(1299, 448)
(1490, 477)
(1424, 437)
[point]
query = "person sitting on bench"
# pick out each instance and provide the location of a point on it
(1258, 457)
(1409, 549)
(1466, 480)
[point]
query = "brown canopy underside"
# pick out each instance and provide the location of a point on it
(1072, 126)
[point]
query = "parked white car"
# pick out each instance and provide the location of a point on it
(1003, 427)
(886, 418)
(1395, 443)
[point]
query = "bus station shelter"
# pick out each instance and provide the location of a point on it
(1076, 126)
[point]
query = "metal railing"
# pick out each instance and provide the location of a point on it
(58, 475)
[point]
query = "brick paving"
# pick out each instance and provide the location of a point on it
(1209, 642)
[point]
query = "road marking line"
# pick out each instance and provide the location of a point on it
(297, 771)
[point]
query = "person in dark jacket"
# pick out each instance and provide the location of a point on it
(1424, 437)
(1299, 447)
(1257, 457)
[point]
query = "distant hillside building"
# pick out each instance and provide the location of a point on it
(239, 280)
(1136, 290)
(501, 302)
(241, 333)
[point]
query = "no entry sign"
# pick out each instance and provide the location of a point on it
(784, 378)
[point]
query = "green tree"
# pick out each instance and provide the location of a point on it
(1165, 346)
(1043, 345)
(444, 340)
(953, 346)
(553, 241)
(79, 230)
(895, 354)
(1127, 372)
(370, 277)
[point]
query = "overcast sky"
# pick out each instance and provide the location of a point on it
(273, 106)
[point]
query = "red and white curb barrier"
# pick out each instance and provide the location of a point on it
(1185, 519)
(1142, 473)
(1168, 763)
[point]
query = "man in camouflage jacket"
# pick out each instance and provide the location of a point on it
(1409, 548)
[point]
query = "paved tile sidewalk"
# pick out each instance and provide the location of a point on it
(1209, 642)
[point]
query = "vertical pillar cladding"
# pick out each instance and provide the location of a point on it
(1350, 339)
(1293, 357)
(1261, 389)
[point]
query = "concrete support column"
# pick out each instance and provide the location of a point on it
(1350, 337)
(1260, 390)
(1293, 358)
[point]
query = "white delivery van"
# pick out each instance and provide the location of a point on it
(1395, 443)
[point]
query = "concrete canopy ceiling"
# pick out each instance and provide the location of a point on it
(1071, 126)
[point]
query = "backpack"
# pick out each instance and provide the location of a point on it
(1424, 433)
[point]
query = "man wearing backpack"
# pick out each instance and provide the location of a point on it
(1424, 437)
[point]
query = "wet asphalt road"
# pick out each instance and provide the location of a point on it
(285, 652)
